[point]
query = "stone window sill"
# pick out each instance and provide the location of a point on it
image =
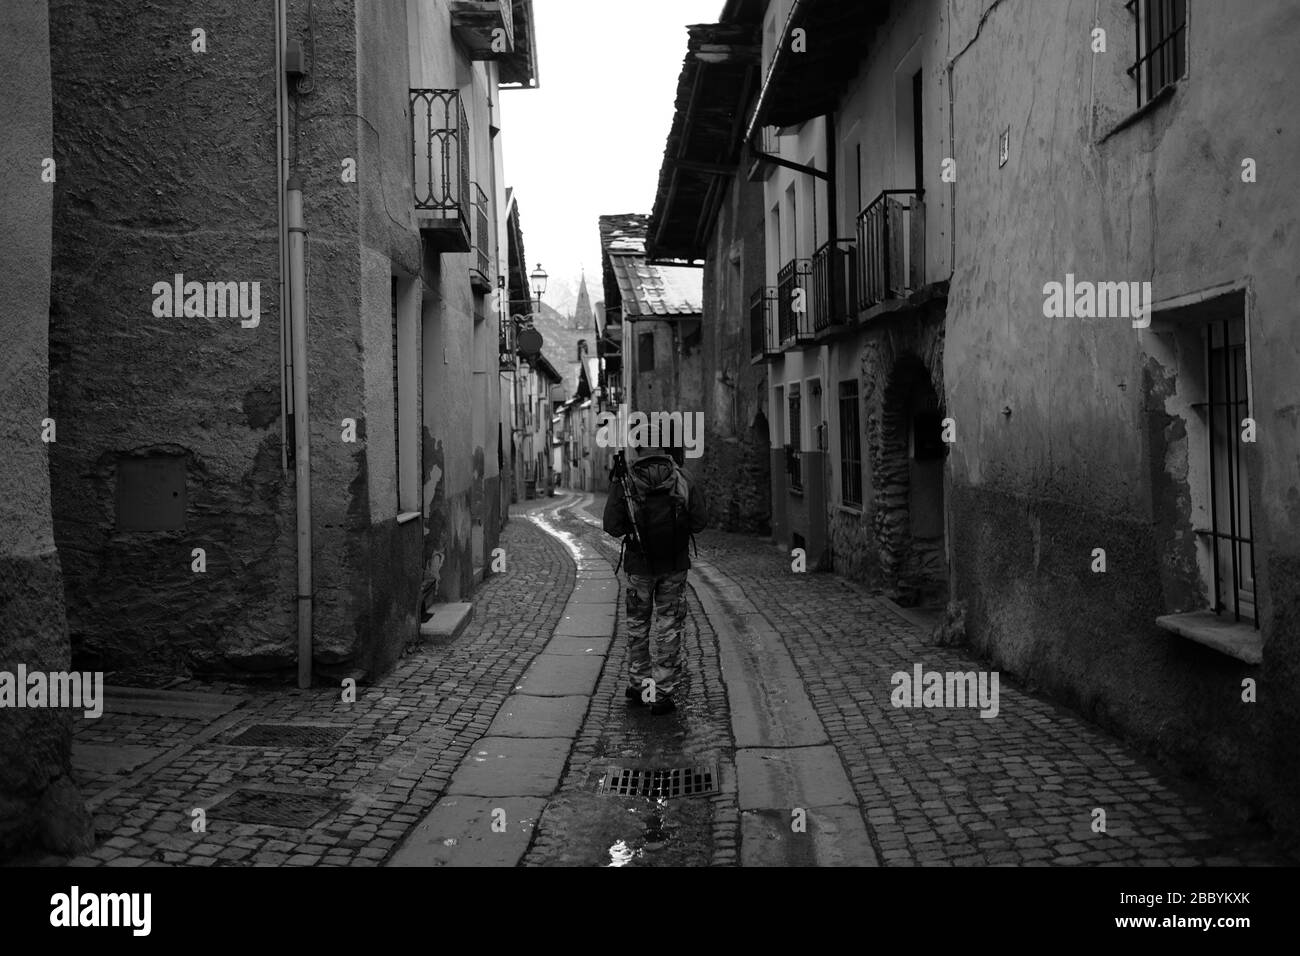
(1217, 632)
(406, 516)
(1158, 99)
(854, 510)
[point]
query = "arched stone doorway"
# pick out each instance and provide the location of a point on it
(908, 466)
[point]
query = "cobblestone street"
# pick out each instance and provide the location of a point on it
(787, 701)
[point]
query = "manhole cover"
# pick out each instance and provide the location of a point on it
(666, 782)
(274, 808)
(288, 736)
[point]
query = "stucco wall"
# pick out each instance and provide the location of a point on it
(1069, 469)
(38, 800)
(459, 358)
(174, 155)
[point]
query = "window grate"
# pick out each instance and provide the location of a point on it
(794, 454)
(666, 783)
(1161, 45)
(850, 445)
(1230, 513)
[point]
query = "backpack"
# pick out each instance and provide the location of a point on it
(659, 507)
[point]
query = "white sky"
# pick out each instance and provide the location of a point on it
(590, 139)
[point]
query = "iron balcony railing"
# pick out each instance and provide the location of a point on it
(762, 323)
(891, 247)
(440, 134)
(833, 294)
(793, 308)
(482, 236)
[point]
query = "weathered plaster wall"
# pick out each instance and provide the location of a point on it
(166, 166)
(38, 800)
(734, 470)
(456, 439)
(180, 176)
(387, 574)
(1068, 470)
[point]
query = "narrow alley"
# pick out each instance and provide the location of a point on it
(503, 746)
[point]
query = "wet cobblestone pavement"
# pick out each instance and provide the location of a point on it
(945, 786)
(581, 828)
(404, 737)
(932, 786)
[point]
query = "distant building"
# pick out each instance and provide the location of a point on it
(658, 308)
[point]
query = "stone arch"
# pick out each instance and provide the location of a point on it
(903, 405)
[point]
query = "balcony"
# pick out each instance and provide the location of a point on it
(793, 316)
(762, 324)
(834, 293)
(480, 270)
(440, 138)
(485, 28)
(891, 247)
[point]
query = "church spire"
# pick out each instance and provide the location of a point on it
(582, 318)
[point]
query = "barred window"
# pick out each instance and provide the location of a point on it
(1161, 45)
(850, 445)
(795, 457)
(1230, 532)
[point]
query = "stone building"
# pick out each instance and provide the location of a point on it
(180, 132)
(39, 803)
(1025, 312)
(658, 311)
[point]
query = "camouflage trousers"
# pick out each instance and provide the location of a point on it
(656, 607)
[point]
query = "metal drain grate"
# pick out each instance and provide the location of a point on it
(666, 782)
(288, 736)
(297, 809)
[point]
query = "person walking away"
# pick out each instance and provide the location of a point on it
(655, 506)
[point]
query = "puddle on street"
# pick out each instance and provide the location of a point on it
(620, 854)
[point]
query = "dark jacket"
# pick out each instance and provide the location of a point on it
(618, 523)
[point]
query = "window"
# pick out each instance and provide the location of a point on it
(850, 445)
(405, 314)
(1161, 45)
(645, 352)
(1231, 544)
(397, 431)
(794, 462)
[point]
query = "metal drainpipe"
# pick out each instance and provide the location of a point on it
(302, 445)
(282, 173)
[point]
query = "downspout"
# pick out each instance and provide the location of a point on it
(302, 450)
(282, 173)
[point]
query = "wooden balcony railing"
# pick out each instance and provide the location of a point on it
(480, 270)
(891, 247)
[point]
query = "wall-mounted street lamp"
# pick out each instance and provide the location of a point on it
(538, 278)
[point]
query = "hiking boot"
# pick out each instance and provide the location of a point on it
(663, 705)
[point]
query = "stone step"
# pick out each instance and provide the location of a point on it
(447, 622)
